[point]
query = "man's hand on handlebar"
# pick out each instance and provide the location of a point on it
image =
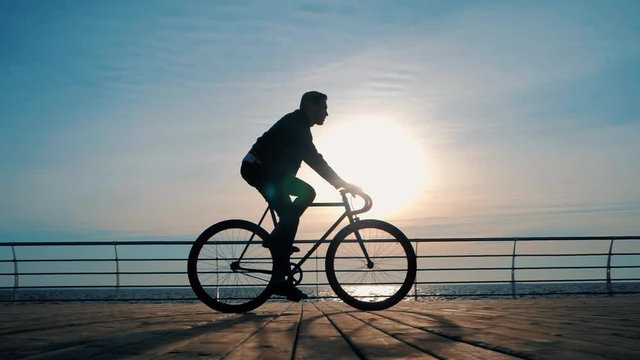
(351, 189)
(354, 190)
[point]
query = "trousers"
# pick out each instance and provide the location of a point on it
(277, 190)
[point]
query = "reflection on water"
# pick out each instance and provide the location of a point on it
(368, 292)
(371, 292)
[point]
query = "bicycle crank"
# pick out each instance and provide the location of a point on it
(295, 276)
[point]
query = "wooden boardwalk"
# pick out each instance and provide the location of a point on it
(543, 328)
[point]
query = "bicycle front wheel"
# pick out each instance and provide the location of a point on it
(228, 268)
(376, 284)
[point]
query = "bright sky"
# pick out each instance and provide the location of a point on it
(128, 119)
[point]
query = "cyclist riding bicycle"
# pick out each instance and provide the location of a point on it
(271, 167)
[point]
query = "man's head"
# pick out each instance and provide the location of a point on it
(314, 105)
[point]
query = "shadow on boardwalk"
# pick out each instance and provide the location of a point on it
(545, 328)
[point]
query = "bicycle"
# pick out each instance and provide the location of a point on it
(370, 264)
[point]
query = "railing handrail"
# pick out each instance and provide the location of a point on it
(307, 241)
(117, 258)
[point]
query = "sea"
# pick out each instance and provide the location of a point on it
(443, 292)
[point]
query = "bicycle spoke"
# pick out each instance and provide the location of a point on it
(385, 282)
(257, 278)
(226, 283)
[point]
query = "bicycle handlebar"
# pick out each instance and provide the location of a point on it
(368, 202)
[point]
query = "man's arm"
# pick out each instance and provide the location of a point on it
(315, 160)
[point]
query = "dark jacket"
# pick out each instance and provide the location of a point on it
(289, 142)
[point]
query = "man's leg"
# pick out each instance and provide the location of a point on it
(289, 214)
(304, 193)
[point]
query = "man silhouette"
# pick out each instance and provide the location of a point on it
(271, 167)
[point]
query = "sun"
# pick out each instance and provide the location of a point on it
(382, 157)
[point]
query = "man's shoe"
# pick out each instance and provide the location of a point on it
(288, 290)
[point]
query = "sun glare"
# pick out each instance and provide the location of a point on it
(383, 158)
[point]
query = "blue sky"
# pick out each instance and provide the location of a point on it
(128, 119)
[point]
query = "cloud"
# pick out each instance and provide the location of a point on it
(141, 123)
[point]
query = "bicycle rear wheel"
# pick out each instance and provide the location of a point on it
(228, 268)
(377, 285)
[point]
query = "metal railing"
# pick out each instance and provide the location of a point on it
(510, 265)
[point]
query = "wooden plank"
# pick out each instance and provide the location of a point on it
(458, 332)
(541, 328)
(218, 341)
(273, 341)
(430, 343)
(214, 339)
(578, 312)
(32, 317)
(319, 339)
(64, 331)
(520, 336)
(125, 337)
(369, 342)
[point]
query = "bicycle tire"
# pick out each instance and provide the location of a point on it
(210, 266)
(394, 265)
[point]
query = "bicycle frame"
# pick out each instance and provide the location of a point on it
(249, 280)
(349, 213)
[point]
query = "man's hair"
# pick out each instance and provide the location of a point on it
(312, 98)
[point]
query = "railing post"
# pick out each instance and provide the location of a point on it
(415, 281)
(609, 289)
(16, 273)
(513, 269)
(115, 249)
(317, 279)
